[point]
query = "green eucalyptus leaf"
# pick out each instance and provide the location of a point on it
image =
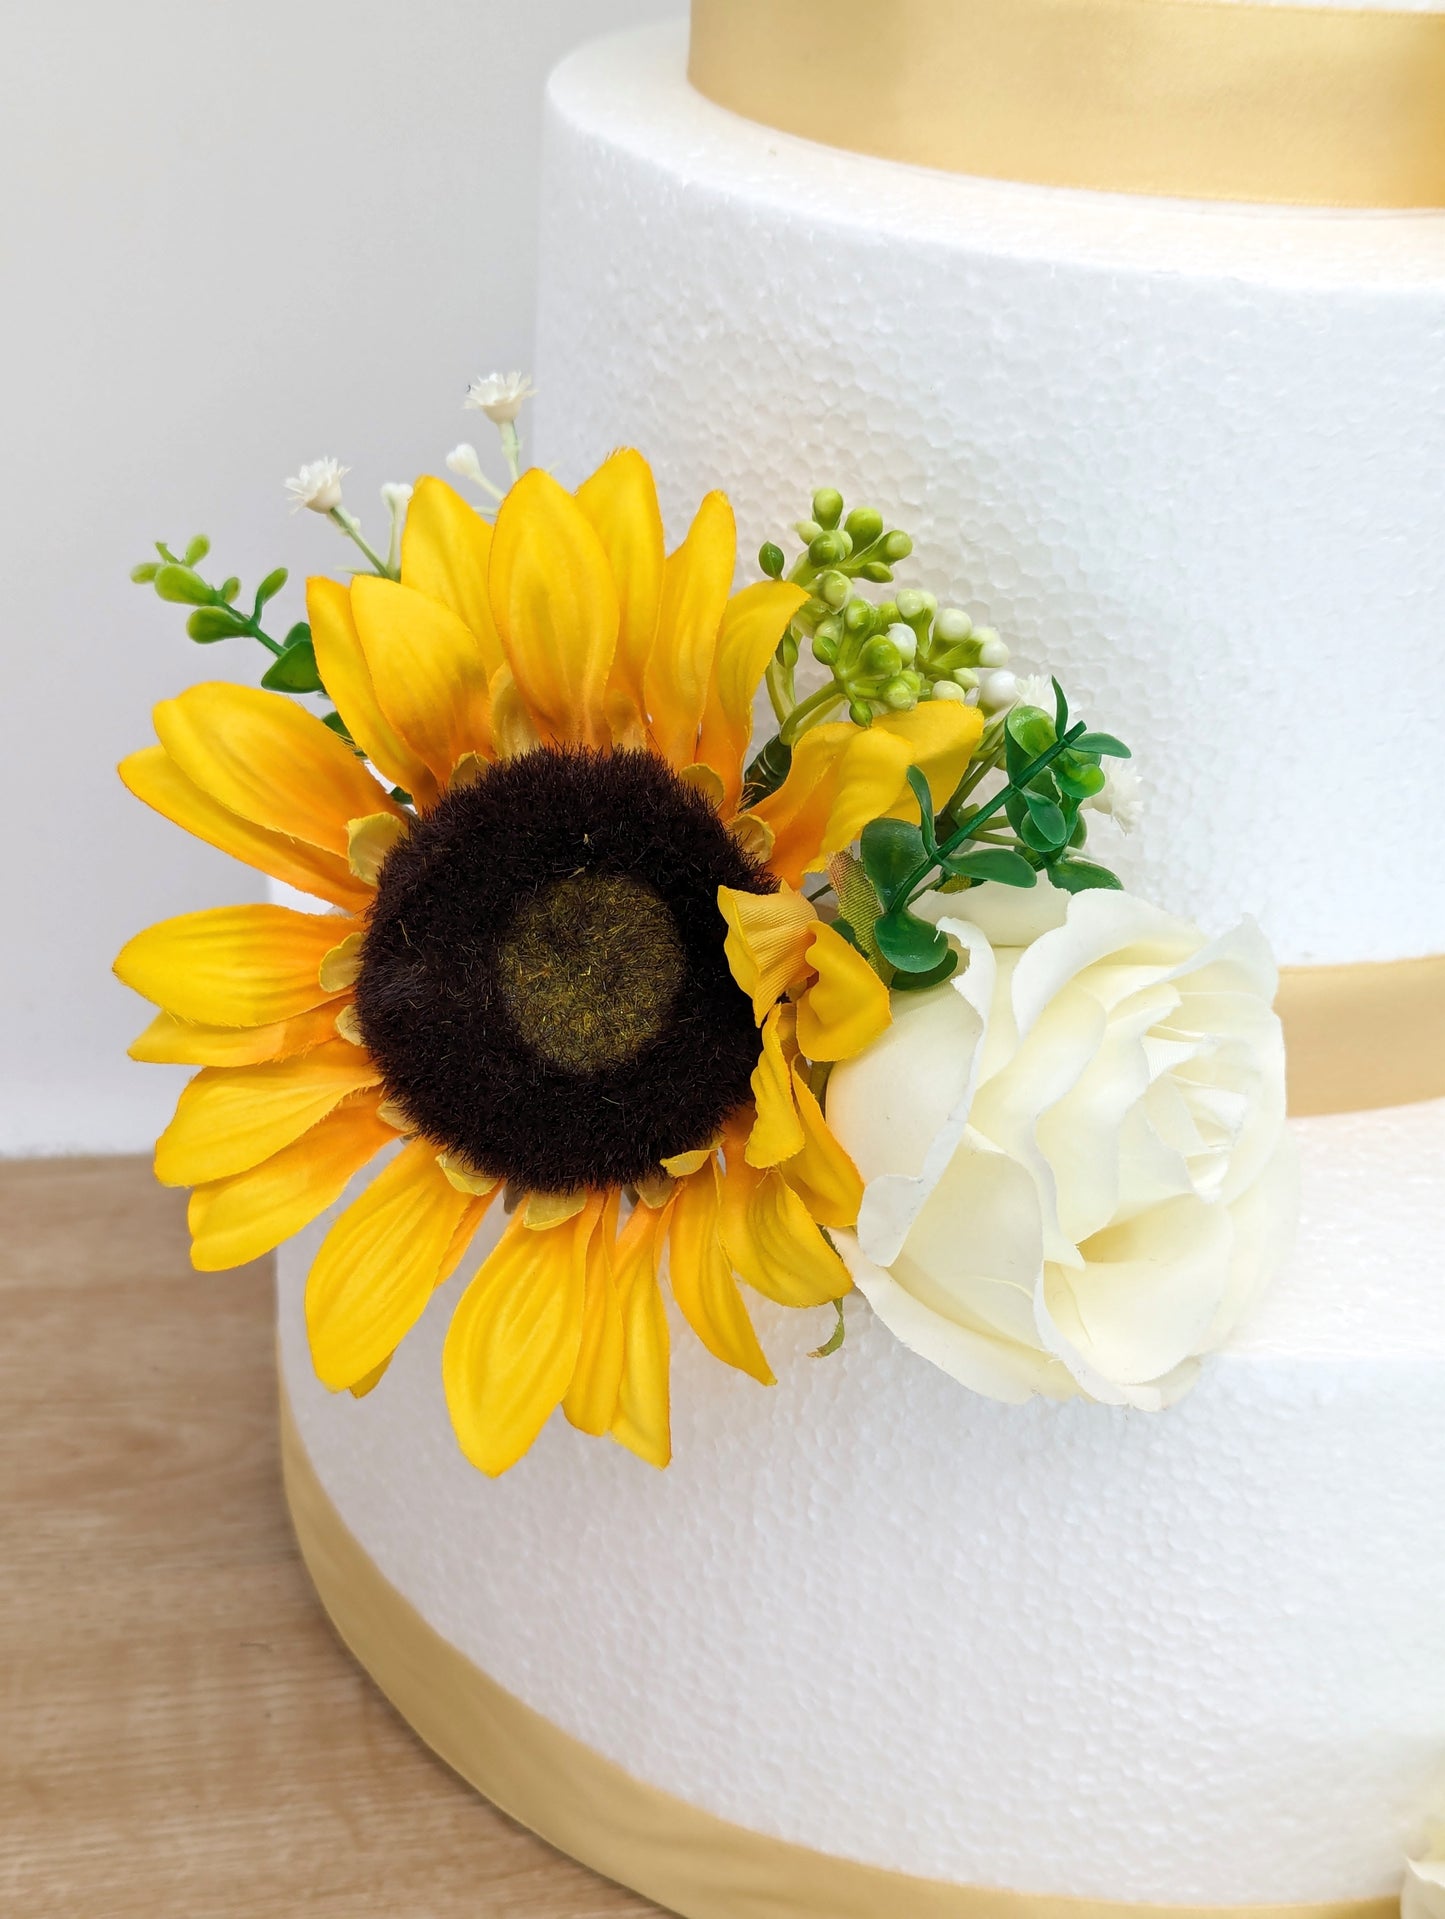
(181, 585)
(209, 623)
(301, 631)
(337, 725)
(909, 943)
(197, 550)
(1082, 876)
(1061, 711)
(893, 851)
(1030, 728)
(1079, 778)
(1046, 817)
(145, 572)
(294, 670)
(1080, 832)
(271, 586)
(924, 796)
(998, 863)
(1102, 743)
(935, 976)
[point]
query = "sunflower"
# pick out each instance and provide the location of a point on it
(563, 960)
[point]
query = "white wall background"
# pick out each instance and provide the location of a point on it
(233, 236)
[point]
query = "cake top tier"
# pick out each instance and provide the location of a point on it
(1281, 103)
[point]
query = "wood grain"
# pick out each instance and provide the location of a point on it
(181, 1735)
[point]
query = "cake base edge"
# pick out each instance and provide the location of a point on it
(686, 1860)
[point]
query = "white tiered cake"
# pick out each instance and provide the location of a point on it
(1190, 456)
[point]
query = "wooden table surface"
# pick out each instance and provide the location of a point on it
(181, 1735)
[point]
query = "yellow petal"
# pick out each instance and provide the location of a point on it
(153, 776)
(590, 1401)
(369, 840)
(543, 1211)
(822, 1174)
(767, 941)
(465, 1230)
(513, 729)
(466, 1178)
(555, 605)
(642, 1422)
(230, 1118)
(679, 1165)
(378, 1266)
(369, 1381)
(169, 1041)
(340, 965)
(266, 758)
(752, 624)
(941, 736)
(231, 965)
(513, 1342)
(240, 1218)
(702, 1278)
(427, 670)
(343, 667)
(777, 1132)
(445, 548)
(774, 1243)
(679, 671)
(620, 499)
(846, 1008)
(841, 777)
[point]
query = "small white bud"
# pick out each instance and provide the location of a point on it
(997, 690)
(317, 485)
(952, 625)
(906, 640)
(500, 396)
(911, 602)
(991, 649)
(463, 461)
(395, 495)
(965, 677)
(949, 690)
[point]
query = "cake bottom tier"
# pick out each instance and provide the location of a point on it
(1074, 1652)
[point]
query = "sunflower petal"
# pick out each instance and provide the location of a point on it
(230, 1118)
(555, 605)
(269, 760)
(642, 1423)
(620, 499)
(342, 665)
(941, 736)
(841, 777)
(702, 1278)
(752, 624)
(369, 1382)
(695, 586)
(777, 1131)
(465, 1231)
(369, 840)
(378, 1266)
(231, 965)
(153, 776)
(445, 548)
(512, 1346)
(240, 1218)
(169, 1041)
(847, 1006)
(513, 729)
(822, 1174)
(590, 1401)
(767, 942)
(774, 1243)
(427, 670)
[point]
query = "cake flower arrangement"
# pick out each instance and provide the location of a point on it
(853, 1002)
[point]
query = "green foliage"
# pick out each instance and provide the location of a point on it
(893, 851)
(294, 668)
(909, 943)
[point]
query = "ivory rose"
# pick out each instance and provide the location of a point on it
(1077, 1172)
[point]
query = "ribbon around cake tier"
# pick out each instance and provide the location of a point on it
(1192, 99)
(689, 1861)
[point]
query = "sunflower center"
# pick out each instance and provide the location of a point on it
(543, 982)
(590, 970)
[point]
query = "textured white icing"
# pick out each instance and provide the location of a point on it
(1196, 1655)
(1190, 456)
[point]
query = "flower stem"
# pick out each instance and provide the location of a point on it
(511, 447)
(809, 711)
(351, 527)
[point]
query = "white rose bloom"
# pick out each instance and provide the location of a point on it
(1077, 1171)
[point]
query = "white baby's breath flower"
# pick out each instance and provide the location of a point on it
(1077, 1173)
(462, 460)
(395, 495)
(317, 485)
(1121, 797)
(1036, 689)
(500, 395)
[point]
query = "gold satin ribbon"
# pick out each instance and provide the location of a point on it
(686, 1860)
(1365, 1035)
(1196, 99)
